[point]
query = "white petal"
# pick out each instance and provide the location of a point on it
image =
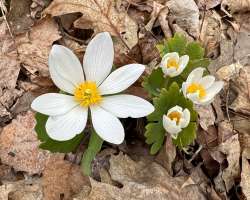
(183, 61)
(170, 126)
(174, 55)
(66, 64)
(184, 88)
(59, 81)
(98, 58)
(175, 109)
(215, 88)
(107, 126)
(121, 79)
(194, 97)
(67, 126)
(195, 75)
(124, 106)
(186, 118)
(53, 104)
(207, 81)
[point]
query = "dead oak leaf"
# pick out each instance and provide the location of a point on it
(19, 146)
(34, 47)
(103, 16)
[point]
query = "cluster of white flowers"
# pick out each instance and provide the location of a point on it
(90, 87)
(200, 90)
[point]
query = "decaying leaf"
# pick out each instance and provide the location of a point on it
(208, 4)
(22, 190)
(245, 176)
(231, 148)
(142, 180)
(34, 47)
(19, 146)
(206, 116)
(62, 179)
(103, 16)
(186, 15)
(235, 6)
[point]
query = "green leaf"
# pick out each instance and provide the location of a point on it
(186, 136)
(177, 44)
(95, 145)
(195, 51)
(155, 134)
(168, 99)
(154, 82)
(50, 144)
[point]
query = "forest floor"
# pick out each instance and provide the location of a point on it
(215, 167)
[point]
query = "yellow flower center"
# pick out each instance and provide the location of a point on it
(196, 87)
(172, 63)
(87, 94)
(176, 116)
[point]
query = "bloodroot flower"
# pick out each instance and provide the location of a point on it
(172, 65)
(201, 90)
(175, 120)
(90, 87)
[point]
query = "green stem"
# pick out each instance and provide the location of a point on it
(95, 145)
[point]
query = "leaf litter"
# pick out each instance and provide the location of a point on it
(214, 167)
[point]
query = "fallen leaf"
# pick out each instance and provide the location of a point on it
(19, 146)
(236, 6)
(206, 116)
(19, 16)
(186, 15)
(231, 148)
(62, 179)
(34, 47)
(245, 176)
(208, 4)
(103, 16)
(141, 180)
(22, 190)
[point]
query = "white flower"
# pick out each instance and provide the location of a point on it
(175, 120)
(68, 113)
(201, 90)
(172, 65)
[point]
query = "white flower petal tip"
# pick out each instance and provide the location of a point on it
(121, 79)
(175, 120)
(98, 58)
(67, 126)
(201, 90)
(107, 126)
(172, 65)
(124, 106)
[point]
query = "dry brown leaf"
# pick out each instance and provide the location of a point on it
(245, 175)
(206, 116)
(208, 4)
(228, 72)
(141, 181)
(186, 15)
(62, 179)
(236, 6)
(22, 190)
(19, 146)
(34, 47)
(210, 34)
(231, 148)
(102, 14)
(19, 16)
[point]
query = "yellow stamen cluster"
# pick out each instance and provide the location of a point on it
(87, 94)
(176, 116)
(172, 63)
(196, 87)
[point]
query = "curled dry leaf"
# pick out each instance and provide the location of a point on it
(142, 180)
(231, 148)
(208, 4)
(210, 34)
(206, 116)
(186, 15)
(19, 146)
(21, 190)
(34, 48)
(103, 16)
(235, 6)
